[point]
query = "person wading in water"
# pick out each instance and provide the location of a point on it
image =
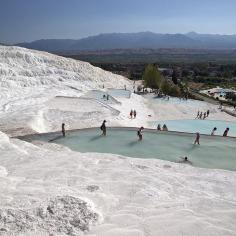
(63, 130)
(104, 128)
(225, 134)
(197, 139)
(140, 133)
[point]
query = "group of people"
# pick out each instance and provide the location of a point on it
(133, 114)
(164, 127)
(106, 97)
(197, 140)
(225, 134)
(202, 115)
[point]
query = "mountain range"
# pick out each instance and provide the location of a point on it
(143, 40)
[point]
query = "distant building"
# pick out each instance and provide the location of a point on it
(166, 71)
(220, 93)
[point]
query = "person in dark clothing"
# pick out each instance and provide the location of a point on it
(208, 113)
(197, 139)
(139, 133)
(131, 114)
(213, 131)
(104, 128)
(200, 116)
(135, 114)
(63, 130)
(185, 160)
(159, 127)
(225, 134)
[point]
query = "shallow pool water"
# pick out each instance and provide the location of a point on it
(174, 100)
(101, 96)
(202, 126)
(119, 93)
(213, 152)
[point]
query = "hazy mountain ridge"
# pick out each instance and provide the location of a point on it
(190, 40)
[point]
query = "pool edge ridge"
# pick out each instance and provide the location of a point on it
(180, 133)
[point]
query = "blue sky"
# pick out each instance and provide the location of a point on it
(28, 20)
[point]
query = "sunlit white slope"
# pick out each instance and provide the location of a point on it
(29, 68)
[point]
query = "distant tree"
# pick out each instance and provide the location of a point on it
(234, 72)
(175, 91)
(185, 73)
(175, 77)
(152, 77)
(231, 96)
(165, 87)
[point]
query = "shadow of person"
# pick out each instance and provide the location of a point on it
(133, 143)
(56, 138)
(96, 138)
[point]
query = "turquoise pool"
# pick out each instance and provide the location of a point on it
(214, 152)
(119, 93)
(202, 126)
(174, 100)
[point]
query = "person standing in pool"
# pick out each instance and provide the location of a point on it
(140, 133)
(225, 134)
(197, 139)
(213, 131)
(135, 114)
(164, 128)
(104, 128)
(63, 130)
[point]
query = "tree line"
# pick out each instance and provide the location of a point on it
(153, 79)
